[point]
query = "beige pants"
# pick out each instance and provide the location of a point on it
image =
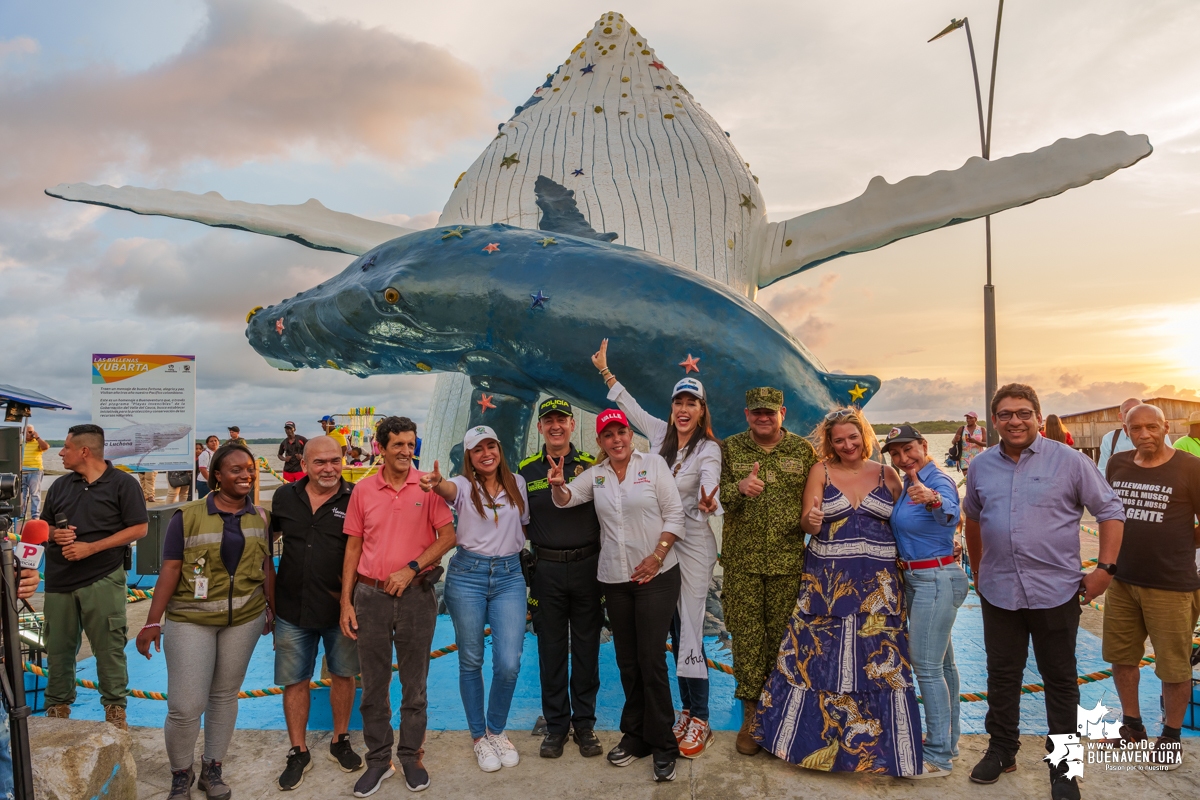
(148, 479)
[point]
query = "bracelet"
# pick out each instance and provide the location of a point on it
(657, 557)
(152, 625)
(606, 369)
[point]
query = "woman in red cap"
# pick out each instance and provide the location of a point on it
(641, 518)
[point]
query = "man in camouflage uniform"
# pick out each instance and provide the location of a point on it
(763, 472)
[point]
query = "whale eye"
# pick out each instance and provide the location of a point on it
(391, 295)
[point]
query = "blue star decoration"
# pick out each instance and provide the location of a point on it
(577, 172)
(587, 70)
(370, 262)
(856, 394)
(539, 300)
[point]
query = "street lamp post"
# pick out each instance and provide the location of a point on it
(985, 144)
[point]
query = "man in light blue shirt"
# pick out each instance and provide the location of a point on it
(1024, 502)
(1118, 441)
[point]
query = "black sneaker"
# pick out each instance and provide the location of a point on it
(416, 777)
(993, 764)
(552, 745)
(211, 782)
(620, 757)
(589, 743)
(664, 769)
(298, 762)
(181, 784)
(368, 784)
(341, 752)
(1062, 787)
(1167, 752)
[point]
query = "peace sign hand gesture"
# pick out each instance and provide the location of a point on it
(555, 475)
(600, 357)
(708, 502)
(430, 480)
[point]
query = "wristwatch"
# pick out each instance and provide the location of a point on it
(415, 567)
(1111, 569)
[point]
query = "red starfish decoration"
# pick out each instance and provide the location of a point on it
(658, 65)
(279, 326)
(485, 402)
(491, 248)
(689, 364)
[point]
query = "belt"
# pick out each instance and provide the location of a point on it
(433, 572)
(927, 563)
(578, 554)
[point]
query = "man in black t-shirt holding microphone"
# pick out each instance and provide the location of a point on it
(569, 614)
(1156, 588)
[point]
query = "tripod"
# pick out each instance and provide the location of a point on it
(12, 678)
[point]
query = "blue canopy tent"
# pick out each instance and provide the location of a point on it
(28, 397)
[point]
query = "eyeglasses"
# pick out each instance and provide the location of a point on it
(841, 413)
(1021, 414)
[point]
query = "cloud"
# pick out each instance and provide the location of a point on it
(794, 306)
(259, 81)
(17, 47)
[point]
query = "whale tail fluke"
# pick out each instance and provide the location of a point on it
(851, 390)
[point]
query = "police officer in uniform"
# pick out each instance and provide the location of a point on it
(569, 616)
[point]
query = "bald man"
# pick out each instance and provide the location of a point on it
(1156, 589)
(1118, 441)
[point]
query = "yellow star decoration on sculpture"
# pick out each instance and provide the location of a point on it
(857, 393)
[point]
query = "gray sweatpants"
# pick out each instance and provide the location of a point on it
(205, 668)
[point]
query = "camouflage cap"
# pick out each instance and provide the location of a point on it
(764, 397)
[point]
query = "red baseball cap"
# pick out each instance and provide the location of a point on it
(610, 416)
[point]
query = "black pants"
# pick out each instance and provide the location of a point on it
(568, 618)
(1006, 636)
(641, 618)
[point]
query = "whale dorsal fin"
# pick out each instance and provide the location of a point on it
(560, 213)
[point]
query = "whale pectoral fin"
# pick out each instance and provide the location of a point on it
(887, 212)
(560, 212)
(508, 415)
(310, 224)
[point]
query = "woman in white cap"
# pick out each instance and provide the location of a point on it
(641, 518)
(484, 585)
(686, 442)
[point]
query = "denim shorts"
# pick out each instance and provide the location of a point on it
(296, 653)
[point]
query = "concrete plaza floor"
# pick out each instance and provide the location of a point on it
(257, 757)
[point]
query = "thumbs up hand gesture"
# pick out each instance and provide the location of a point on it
(555, 474)
(815, 517)
(430, 480)
(752, 485)
(918, 493)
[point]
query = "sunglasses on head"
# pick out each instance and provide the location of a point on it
(1021, 414)
(841, 413)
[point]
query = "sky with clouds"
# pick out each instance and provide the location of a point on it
(375, 107)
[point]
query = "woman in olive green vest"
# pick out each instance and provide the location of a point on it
(216, 588)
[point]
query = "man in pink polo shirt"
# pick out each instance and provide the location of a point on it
(396, 536)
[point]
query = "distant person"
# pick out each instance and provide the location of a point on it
(1057, 431)
(1156, 590)
(1191, 442)
(202, 461)
(235, 437)
(1118, 441)
(308, 516)
(85, 574)
(355, 456)
(330, 427)
(179, 485)
(397, 537)
(291, 451)
(971, 439)
(149, 483)
(200, 448)
(215, 588)
(32, 471)
(1025, 499)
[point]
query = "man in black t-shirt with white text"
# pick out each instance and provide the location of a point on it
(1156, 588)
(103, 512)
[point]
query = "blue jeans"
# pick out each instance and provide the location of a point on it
(482, 591)
(693, 692)
(296, 652)
(31, 495)
(933, 597)
(6, 765)
(201, 487)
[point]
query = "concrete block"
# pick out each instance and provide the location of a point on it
(81, 760)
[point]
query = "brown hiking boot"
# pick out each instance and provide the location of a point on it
(115, 715)
(58, 711)
(745, 742)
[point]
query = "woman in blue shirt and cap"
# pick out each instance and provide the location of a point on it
(924, 521)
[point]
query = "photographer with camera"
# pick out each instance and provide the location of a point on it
(95, 511)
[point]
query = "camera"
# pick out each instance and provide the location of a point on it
(10, 499)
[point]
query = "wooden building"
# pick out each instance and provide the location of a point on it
(1089, 427)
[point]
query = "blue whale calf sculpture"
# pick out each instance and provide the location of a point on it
(521, 311)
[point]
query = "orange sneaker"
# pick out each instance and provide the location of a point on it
(697, 739)
(681, 725)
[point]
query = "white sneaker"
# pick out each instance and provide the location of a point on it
(505, 749)
(929, 770)
(485, 754)
(682, 719)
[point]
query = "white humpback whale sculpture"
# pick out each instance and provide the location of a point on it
(646, 162)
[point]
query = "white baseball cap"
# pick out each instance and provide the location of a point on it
(476, 435)
(689, 386)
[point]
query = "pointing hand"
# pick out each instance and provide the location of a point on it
(431, 479)
(708, 502)
(752, 485)
(600, 357)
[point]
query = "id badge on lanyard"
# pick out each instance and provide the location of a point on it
(201, 582)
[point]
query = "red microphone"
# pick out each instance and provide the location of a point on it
(36, 531)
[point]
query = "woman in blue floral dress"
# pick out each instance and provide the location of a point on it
(841, 697)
